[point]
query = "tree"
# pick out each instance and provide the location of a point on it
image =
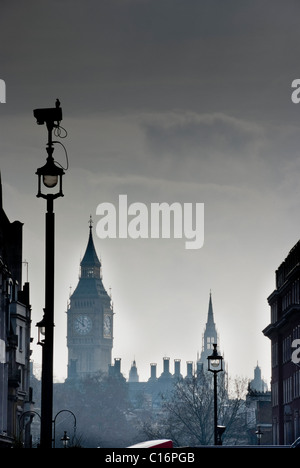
(100, 403)
(187, 415)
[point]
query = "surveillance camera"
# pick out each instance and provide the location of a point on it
(52, 114)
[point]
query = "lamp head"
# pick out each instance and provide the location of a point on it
(215, 361)
(65, 439)
(41, 331)
(50, 174)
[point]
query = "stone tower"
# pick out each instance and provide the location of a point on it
(90, 319)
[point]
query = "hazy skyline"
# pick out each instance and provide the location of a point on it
(183, 101)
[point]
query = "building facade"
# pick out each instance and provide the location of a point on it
(282, 331)
(15, 326)
(90, 320)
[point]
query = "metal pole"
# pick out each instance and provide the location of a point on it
(47, 356)
(215, 409)
(48, 116)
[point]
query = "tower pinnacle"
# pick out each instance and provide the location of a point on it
(210, 335)
(90, 264)
(210, 316)
(91, 222)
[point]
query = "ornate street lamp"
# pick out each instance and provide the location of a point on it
(65, 440)
(41, 331)
(215, 365)
(54, 425)
(259, 435)
(49, 188)
(51, 174)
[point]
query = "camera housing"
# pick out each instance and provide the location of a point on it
(52, 114)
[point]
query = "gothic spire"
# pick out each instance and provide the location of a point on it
(90, 264)
(210, 315)
(90, 279)
(210, 335)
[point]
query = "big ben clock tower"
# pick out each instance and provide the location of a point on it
(90, 319)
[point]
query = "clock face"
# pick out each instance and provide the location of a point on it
(82, 324)
(107, 326)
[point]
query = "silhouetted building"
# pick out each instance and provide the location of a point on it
(90, 320)
(177, 371)
(258, 384)
(164, 384)
(133, 373)
(15, 319)
(114, 370)
(189, 369)
(282, 331)
(259, 410)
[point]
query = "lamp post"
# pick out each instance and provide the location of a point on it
(54, 425)
(258, 435)
(31, 415)
(51, 176)
(215, 365)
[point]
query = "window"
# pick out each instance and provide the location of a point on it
(274, 312)
(286, 348)
(296, 378)
(209, 342)
(274, 394)
(274, 354)
(287, 390)
(20, 339)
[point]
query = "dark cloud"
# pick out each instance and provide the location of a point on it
(123, 55)
(168, 100)
(190, 135)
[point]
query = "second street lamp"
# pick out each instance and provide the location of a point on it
(259, 435)
(51, 176)
(215, 365)
(65, 440)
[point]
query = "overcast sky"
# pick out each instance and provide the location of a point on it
(164, 101)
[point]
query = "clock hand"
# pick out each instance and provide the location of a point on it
(81, 321)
